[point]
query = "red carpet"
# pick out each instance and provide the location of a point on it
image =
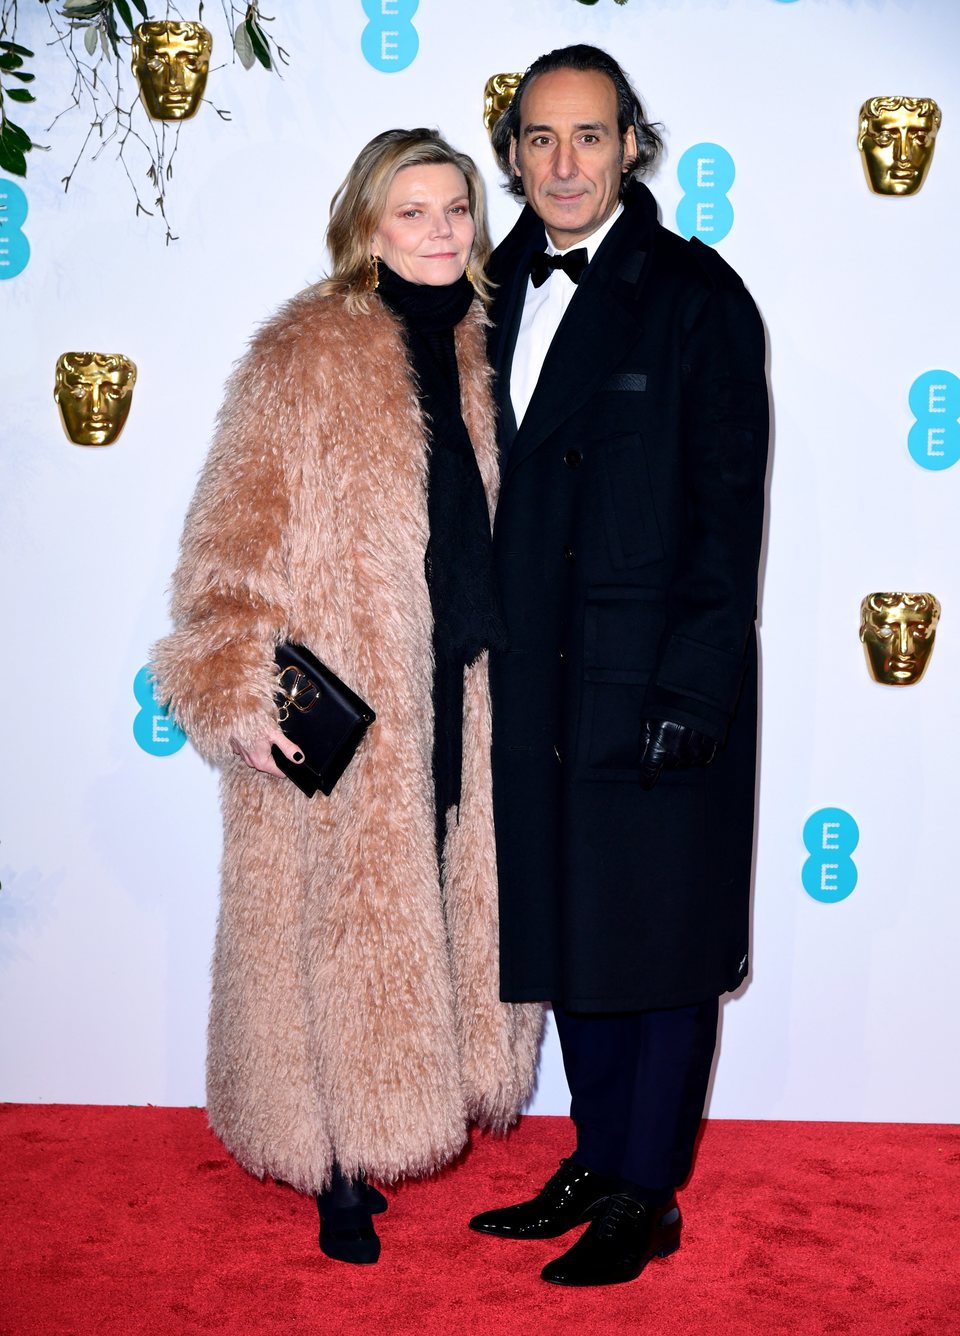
(119, 1221)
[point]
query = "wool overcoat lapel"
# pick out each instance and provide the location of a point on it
(598, 321)
(506, 312)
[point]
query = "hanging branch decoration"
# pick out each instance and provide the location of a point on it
(15, 143)
(98, 38)
(252, 44)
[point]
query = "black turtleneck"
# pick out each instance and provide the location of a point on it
(459, 560)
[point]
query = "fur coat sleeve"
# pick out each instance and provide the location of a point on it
(231, 594)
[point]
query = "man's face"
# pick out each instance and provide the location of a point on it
(569, 156)
(94, 397)
(171, 63)
(898, 631)
(497, 96)
(897, 147)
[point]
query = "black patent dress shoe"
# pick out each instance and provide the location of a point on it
(571, 1197)
(618, 1243)
(346, 1226)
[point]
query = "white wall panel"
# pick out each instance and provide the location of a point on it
(109, 855)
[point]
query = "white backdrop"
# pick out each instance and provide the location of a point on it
(109, 853)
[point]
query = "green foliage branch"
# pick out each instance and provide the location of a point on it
(95, 37)
(15, 143)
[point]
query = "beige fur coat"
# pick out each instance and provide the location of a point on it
(355, 1012)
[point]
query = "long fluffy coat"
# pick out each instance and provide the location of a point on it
(355, 1012)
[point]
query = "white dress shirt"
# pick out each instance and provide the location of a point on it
(543, 309)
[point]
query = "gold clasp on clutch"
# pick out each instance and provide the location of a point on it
(297, 690)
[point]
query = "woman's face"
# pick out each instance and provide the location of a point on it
(426, 232)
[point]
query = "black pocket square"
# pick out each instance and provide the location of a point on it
(626, 380)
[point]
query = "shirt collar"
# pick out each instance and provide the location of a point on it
(592, 242)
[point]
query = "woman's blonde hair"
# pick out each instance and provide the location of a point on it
(357, 209)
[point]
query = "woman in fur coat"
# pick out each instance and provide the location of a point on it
(355, 1026)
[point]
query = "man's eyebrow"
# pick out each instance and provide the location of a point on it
(581, 125)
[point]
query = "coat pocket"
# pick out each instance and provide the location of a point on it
(622, 631)
(633, 531)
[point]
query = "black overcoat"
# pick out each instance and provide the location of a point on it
(626, 542)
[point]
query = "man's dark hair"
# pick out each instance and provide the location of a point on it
(629, 110)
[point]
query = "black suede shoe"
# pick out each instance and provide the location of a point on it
(618, 1244)
(358, 1244)
(571, 1197)
(376, 1201)
(346, 1228)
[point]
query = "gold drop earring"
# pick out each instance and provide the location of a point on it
(373, 274)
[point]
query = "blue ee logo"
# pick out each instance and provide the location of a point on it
(706, 173)
(14, 246)
(390, 42)
(153, 728)
(934, 440)
(830, 837)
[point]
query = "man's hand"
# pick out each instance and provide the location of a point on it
(668, 746)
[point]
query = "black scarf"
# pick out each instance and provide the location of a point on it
(459, 558)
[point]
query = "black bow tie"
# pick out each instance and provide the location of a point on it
(572, 263)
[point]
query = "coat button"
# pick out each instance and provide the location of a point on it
(573, 459)
(568, 554)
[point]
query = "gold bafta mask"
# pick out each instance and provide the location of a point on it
(93, 391)
(896, 141)
(497, 96)
(171, 61)
(898, 631)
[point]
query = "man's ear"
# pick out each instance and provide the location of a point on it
(629, 145)
(513, 156)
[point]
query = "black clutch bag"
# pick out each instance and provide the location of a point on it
(321, 715)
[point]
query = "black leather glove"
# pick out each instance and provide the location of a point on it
(668, 746)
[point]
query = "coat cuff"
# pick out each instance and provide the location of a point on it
(697, 685)
(216, 692)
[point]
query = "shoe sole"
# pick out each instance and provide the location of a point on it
(585, 1219)
(332, 1250)
(668, 1251)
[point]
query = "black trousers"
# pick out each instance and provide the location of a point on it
(638, 1081)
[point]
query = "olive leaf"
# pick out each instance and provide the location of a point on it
(90, 39)
(110, 23)
(10, 61)
(19, 95)
(142, 9)
(12, 159)
(17, 50)
(82, 9)
(243, 46)
(16, 138)
(123, 9)
(259, 44)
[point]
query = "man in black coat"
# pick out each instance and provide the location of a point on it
(634, 424)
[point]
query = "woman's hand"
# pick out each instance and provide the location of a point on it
(257, 753)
